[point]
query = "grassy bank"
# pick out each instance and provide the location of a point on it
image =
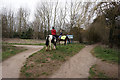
(106, 54)
(96, 74)
(9, 50)
(44, 63)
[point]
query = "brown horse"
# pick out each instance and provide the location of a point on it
(64, 38)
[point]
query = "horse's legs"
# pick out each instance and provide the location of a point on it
(46, 48)
(68, 40)
(47, 43)
(54, 46)
(50, 43)
(65, 42)
(59, 41)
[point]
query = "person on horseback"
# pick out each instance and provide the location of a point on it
(53, 32)
(60, 33)
(51, 39)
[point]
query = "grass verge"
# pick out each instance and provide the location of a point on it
(9, 50)
(44, 63)
(106, 54)
(96, 74)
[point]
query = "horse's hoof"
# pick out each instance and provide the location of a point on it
(47, 49)
(54, 48)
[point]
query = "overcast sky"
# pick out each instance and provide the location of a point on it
(29, 4)
(15, 4)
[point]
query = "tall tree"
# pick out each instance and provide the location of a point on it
(110, 10)
(4, 21)
(11, 23)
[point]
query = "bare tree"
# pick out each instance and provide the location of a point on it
(4, 25)
(55, 12)
(25, 19)
(11, 23)
(36, 28)
(110, 11)
(44, 14)
(20, 16)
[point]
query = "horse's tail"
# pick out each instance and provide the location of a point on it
(47, 41)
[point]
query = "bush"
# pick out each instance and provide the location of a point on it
(91, 35)
(27, 35)
(76, 32)
(15, 35)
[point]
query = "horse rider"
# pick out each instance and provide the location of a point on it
(60, 33)
(53, 32)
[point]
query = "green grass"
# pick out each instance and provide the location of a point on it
(45, 63)
(96, 74)
(62, 51)
(91, 71)
(106, 54)
(9, 50)
(23, 43)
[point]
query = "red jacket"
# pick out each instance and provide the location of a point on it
(53, 32)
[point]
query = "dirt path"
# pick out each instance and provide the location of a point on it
(11, 67)
(77, 66)
(17, 40)
(109, 69)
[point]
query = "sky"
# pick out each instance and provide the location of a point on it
(30, 5)
(14, 5)
(27, 4)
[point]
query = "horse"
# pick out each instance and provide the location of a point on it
(50, 39)
(64, 38)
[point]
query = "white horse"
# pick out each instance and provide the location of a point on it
(50, 39)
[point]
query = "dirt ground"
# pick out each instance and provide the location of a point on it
(110, 69)
(77, 66)
(11, 67)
